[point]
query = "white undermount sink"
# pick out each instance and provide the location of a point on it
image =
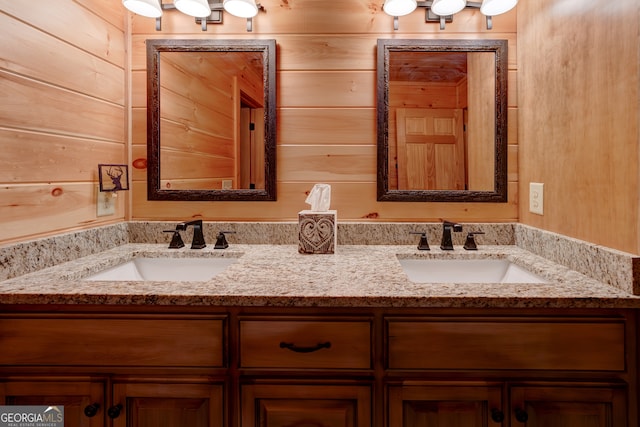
(165, 269)
(467, 271)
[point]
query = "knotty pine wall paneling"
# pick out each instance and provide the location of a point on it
(579, 119)
(326, 127)
(62, 84)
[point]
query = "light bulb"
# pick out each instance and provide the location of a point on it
(399, 7)
(148, 8)
(447, 7)
(497, 7)
(241, 8)
(196, 8)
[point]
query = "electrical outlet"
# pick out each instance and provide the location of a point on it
(536, 198)
(227, 184)
(105, 203)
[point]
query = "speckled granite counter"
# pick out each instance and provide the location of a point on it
(277, 275)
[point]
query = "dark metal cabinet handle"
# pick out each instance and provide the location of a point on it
(297, 349)
(497, 415)
(114, 411)
(521, 415)
(91, 410)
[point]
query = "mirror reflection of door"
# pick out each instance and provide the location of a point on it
(441, 120)
(251, 147)
(202, 125)
(431, 149)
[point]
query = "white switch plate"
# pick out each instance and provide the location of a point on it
(536, 198)
(105, 203)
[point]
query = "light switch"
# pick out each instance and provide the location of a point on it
(106, 203)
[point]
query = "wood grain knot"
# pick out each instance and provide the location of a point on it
(140, 163)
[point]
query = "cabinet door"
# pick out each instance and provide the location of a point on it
(268, 405)
(568, 406)
(167, 405)
(461, 405)
(83, 402)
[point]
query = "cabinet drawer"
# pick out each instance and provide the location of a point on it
(507, 344)
(305, 344)
(130, 341)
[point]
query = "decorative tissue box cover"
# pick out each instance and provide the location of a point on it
(317, 232)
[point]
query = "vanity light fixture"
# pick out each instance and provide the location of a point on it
(204, 11)
(442, 11)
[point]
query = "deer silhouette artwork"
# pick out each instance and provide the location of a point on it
(115, 173)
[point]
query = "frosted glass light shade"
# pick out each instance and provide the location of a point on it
(196, 8)
(399, 7)
(447, 7)
(241, 8)
(497, 7)
(148, 8)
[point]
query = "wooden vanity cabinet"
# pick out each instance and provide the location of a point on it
(94, 403)
(460, 404)
(300, 371)
(542, 371)
(83, 399)
(323, 367)
(117, 369)
(169, 404)
(325, 405)
(569, 406)
(448, 404)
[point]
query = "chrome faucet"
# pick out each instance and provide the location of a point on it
(198, 237)
(447, 244)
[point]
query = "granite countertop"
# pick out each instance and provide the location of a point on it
(277, 275)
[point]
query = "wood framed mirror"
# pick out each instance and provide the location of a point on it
(442, 120)
(211, 120)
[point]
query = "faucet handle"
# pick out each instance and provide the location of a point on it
(176, 239)
(424, 244)
(470, 242)
(452, 226)
(221, 240)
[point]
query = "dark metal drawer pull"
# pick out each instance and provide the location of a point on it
(293, 347)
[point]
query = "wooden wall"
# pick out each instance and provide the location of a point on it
(579, 117)
(62, 111)
(574, 113)
(326, 130)
(197, 113)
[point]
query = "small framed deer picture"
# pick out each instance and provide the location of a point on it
(113, 177)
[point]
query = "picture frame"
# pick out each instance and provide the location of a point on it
(113, 177)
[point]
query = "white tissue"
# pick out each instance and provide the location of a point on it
(319, 198)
